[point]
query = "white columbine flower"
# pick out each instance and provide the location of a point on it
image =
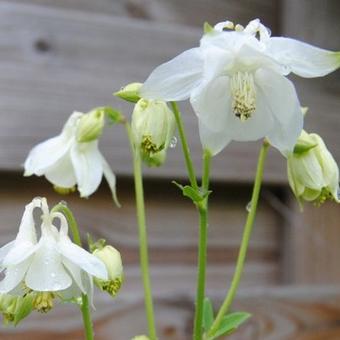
(237, 86)
(66, 162)
(52, 264)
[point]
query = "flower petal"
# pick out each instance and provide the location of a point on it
(111, 180)
(82, 258)
(303, 59)
(88, 167)
(13, 276)
(46, 272)
(62, 173)
(212, 103)
(281, 99)
(175, 79)
(75, 272)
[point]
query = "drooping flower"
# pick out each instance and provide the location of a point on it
(237, 86)
(153, 126)
(312, 171)
(66, 160)
(51, 264)
(112, 259)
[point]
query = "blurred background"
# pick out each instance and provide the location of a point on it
(66, 55)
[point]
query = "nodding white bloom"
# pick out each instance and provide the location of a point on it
(237, 86)
(51, 264)
(312, 171)
(66, 161)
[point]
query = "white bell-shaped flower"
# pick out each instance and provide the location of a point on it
(237, 86)
(65, 161)
(52, 264)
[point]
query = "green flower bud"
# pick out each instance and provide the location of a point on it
(153, 126)
(91, 125)
(113, 262)
(130, 92)
(312, 171)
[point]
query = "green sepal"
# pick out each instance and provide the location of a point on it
(303, 146)
(23, 308)
(208, 314)
(207, 28)
(114, 116)
(94, 245)
(230, 323)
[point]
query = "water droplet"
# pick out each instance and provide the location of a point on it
(46, 261)
(53, 274)
(248, 206)
(56, 285)
(173, 142)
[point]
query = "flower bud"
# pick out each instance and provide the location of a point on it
(153, 126)
(91, 125)
(113, 263)
(130, 92)
(15, 308)
(312, 171)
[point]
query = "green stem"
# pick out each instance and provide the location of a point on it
(85, 308)
(185, 146)
(143, 239)
(202, 248)
(245, 242)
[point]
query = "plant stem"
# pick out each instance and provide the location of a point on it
(143, 239)
(202, 248)
(185, 146)
(85, 308)
(245, 241)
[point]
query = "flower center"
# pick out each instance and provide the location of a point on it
(244, 95)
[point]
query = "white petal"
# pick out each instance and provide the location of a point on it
(214, 141)
(175, 79)
(19, 253)
(88, 283)
(13, 277)
(75, 272)
(88, 167)
(303, 59)
(111, 180)
(280, 96)
(82, 258)
(5, 249)
(61, 173)
(212, 103)
(46, 272)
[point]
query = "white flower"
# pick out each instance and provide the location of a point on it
(237, 86)
(312, 171)
(66, 162)
(52, 264)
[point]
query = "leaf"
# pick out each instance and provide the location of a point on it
(230, 323)
(23, 309)
(208, 314)
(302, 147)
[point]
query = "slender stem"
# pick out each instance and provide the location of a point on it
(143, 239)
(85, 308)
(202, 248)
(185, 146)
(245, 241)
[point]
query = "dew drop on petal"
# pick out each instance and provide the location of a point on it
(173, 142)
(56, 285)
(248, 206)
(53, 274)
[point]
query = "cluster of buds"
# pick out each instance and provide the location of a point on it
(312, 171)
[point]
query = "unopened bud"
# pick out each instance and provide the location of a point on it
(130, 92)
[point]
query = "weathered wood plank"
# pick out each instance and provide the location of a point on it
(172, 226)
(294, 313)
(86, 57)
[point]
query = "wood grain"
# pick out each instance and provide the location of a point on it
(86, 57)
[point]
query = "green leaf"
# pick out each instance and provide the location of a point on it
(231, 322)
(23, 309)
(208, 314)
(303, 146)
(207, 28)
